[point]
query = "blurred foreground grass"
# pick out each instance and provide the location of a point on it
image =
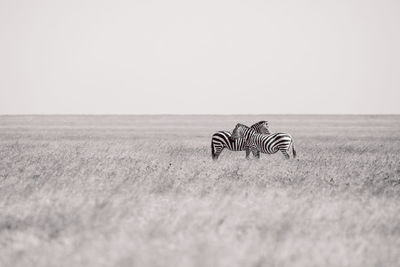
(143, 191)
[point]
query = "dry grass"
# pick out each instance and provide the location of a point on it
(143, 191)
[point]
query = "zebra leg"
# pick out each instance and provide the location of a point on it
(247, 153)
(217, 152)
(284, 152)
(256, 153)
(213, 152)
(293, 150)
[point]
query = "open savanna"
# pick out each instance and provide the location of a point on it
(143, 191)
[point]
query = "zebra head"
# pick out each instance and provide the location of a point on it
(239, 131)
(261, 127)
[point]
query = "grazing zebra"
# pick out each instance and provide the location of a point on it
(264, 143)
(222, 139)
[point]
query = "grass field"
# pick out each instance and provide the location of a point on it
(143, 191)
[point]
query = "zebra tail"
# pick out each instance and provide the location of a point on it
(293, 150)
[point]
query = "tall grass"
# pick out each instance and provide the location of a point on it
(143, 191)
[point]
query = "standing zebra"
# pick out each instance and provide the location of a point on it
(264, 143)
(222, 139)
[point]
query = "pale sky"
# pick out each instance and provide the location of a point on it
(199, 57)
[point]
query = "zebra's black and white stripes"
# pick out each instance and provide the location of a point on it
(222, 139)
(264, 143)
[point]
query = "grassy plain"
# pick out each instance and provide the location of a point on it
(143, 191)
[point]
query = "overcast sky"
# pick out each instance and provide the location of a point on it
(208, 57)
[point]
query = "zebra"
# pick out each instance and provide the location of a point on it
(222, 139)
(264, 143)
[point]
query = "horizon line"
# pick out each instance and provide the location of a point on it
(200, 114)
